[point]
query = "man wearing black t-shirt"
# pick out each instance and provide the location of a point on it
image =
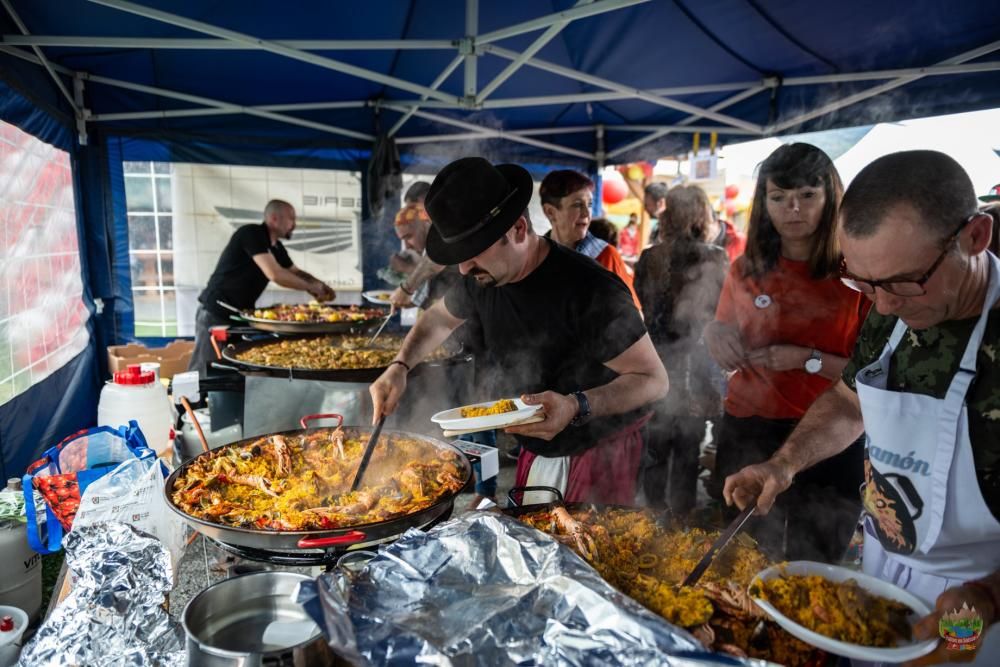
(563, 331)
(253, 257)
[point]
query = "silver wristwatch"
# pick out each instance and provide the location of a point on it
(814, 364)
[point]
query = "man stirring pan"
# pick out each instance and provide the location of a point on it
(253, 257)
(563, 329)
(923, 384)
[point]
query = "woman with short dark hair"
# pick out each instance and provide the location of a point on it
(784, 328)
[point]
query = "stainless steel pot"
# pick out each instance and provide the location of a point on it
(252, 621)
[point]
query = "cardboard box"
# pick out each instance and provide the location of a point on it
(173, 358)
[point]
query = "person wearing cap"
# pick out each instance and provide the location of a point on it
(923, 384)
(253, 256)
(567, 199)
(564, 331)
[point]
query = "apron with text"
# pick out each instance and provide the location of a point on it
(927, 527)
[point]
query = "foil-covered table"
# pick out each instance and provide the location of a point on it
(486, 589)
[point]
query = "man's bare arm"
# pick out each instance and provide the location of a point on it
(423, 272)
(641, 380)
(431, 329)
(284, 277)
(832, 423)
(829, 427)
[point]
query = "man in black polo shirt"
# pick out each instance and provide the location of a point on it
(253, 256)
(562, 331)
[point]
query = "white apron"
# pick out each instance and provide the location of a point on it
(928, 527)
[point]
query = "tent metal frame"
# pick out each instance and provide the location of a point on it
(468, 49)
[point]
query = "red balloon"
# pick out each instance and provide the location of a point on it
(613, 190)
(732, 191)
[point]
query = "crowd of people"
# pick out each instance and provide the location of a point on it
(844, 351)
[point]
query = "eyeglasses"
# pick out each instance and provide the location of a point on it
(902, 287)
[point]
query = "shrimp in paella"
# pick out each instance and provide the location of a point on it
(303, 481)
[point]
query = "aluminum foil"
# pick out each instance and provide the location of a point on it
(113, 617)
(486, 589)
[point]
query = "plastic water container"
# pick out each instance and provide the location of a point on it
(13, 623)
(20, 566)
(135, 394)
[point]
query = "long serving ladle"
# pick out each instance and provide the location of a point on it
(392, 311)
(366, 457)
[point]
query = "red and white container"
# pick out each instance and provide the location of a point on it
(136, 394)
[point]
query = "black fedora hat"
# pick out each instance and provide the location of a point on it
(471, 204)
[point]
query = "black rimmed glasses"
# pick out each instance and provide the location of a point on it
(902, 287)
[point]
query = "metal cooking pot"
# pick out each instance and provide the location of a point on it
(306, 541)
(252, 621)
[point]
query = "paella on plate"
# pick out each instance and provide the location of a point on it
(303, 481)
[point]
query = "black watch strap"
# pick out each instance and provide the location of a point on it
(584, 412)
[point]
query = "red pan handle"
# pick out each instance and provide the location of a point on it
(326, 415)
(352, 537)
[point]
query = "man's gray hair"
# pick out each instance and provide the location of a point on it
(931, 183)
(275, 206)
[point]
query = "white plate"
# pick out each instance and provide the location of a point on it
(372, 296)
(452, 420)
(900, 653)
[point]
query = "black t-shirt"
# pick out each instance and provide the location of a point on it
(553, 331)
(237, 280)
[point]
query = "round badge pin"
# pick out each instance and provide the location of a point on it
(762, 301)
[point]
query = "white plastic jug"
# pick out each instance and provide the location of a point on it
(20, 566)
(135, 394)
(13, 623)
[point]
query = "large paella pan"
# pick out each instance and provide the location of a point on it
(333, 357)
(647, 554)
(291, 490)
(309, 317)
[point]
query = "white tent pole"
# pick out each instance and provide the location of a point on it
(934, 70)
(234, 108)
(468, 48)
(489, 133)
(573, 14)
(296, 54)
(630, 91)
(878, 90)
(532, 49)
(687, 121)
(609, 96)
(43, 60)
(661, 129)
(185, 113)
(463, 136)
(206, 43)
(445, 73)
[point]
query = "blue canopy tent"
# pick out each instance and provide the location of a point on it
(313, 84)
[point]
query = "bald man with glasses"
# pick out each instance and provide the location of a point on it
(923, 384)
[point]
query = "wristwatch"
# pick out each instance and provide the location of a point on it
(584, 412)
(814, 364)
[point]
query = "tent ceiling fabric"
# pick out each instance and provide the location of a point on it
(647, 73)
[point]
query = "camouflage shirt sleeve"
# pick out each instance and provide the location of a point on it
(871, 340)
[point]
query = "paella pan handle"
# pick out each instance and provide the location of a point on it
(352, 537)
(325, 415)
(514, 502)
(230, 307)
